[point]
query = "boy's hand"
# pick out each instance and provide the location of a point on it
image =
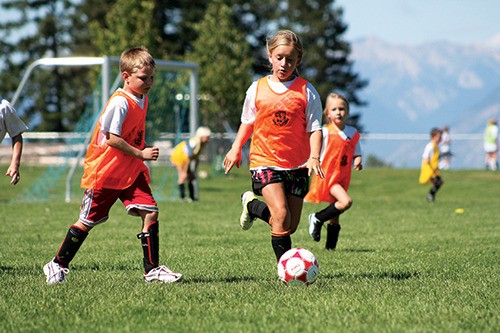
(150, 153)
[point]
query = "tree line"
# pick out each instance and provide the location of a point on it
(226, 38)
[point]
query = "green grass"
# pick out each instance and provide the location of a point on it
(402, 264)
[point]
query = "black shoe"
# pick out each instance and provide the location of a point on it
(332, 236)
(315, 227)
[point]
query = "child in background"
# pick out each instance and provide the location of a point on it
(10, 123)
(340, 153)
(445, 149)
(114, 169)
(429, 172)
(185, 157)
(283, 112)
(491, 145)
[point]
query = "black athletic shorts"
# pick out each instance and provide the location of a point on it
(296, 182)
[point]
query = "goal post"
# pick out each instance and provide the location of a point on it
(178, 80)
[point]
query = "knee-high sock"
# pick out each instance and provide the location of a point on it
(281, 244)
(259, 209)
(182, 191)
(328, 213)
(150, 246)
(192, 193)
(70, 245)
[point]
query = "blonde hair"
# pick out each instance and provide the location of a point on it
(285, 37)
(203, 132)
(136, 58)
(334, 95)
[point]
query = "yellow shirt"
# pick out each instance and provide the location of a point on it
(429, 169)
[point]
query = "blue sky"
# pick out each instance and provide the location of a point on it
(413, 22)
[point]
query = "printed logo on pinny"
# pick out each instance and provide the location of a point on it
(280, 118)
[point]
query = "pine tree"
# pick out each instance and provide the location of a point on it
(33, 30)
(128, 23)
(223, 55)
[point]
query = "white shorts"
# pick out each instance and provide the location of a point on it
(490, 147)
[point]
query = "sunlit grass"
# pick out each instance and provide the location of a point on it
(402, 264)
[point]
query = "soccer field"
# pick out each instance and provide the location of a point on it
(401, 264)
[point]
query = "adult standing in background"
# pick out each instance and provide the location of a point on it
(491, 144)
(10, 123)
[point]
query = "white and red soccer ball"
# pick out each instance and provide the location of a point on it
(298, 266)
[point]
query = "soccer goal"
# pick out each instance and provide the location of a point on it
(172, 115)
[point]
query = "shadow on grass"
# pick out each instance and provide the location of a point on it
(356, 250)
(222, 280)
(375, 276)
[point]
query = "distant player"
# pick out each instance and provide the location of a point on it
(10, 123)
(429, 172)
(445, 149)
(185, 157)
(491, 145)
(283, 112)
(340, 153)
(114, 169)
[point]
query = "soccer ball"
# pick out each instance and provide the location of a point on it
(298, 266)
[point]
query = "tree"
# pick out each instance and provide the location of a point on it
(128, 23)
(234, 31)
(46, 26)
(222, 53)
(326, 60)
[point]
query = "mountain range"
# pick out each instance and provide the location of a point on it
(415, 88)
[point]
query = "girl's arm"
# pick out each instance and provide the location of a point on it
(233, 156)
(313, 162)
(358, 163)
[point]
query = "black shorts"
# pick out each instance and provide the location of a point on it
(296, 182)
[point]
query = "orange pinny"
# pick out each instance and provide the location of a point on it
(337, 165)
(280, 138)
(107, 167)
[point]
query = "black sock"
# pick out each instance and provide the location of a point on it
(182, 191)
(281, 244)
(191, 191)
(70, 246)
(259, 209)
(150, 247)
(328, 213)
(436, 182)
(332, 236)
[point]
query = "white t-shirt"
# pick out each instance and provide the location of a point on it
(9, 121)
(314, 109)
(444, 144)
(113, 117)
(428, 151)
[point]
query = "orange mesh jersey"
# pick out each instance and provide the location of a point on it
(107, 167)
(337, 165)
(280, 138)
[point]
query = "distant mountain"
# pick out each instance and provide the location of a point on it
(412, 89)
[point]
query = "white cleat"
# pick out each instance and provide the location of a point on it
(246, 221)
(162, 274)
(55, 273)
